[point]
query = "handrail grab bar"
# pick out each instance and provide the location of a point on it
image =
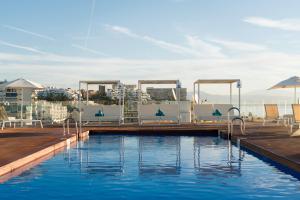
(242, 126)
(228, 117)
(67, 121)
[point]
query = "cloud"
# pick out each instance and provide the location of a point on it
(203, 47)
(123, 30)
(197, 48)
(283, 24)
(29, 32)
(26, 48)
(240, 46)
(88, 50)
(67, 70)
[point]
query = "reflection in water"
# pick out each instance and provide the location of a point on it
(224, 168)
(103, 154)
(163, 155)
(156, 155)
(133, 167)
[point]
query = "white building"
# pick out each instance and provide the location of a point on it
(13, 98)
(50, 111)
(14, 95)
(69, 93)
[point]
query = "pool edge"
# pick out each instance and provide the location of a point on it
(282, 160)
(29, 159)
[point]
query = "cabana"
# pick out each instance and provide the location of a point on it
(160, 112)
(213, 112)
(99, 112)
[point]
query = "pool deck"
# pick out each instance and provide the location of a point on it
(273, 142)
(19, 147)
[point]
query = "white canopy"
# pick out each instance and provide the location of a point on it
(293, 82)
(23, 83)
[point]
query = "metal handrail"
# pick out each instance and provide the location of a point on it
(242, 126)
(67, 121)
(234, 108)
(229, 122)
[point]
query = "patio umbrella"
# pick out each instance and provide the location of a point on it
(23, 84)
(293, 82)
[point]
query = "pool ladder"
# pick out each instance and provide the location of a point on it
(67, 123)
(230, 122)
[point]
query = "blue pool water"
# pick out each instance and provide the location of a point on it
(151, 167)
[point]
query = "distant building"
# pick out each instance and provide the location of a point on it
(130, 86)
(50, 111)
(169, 94)
(13, 95)
(102, 90)
(57, 92)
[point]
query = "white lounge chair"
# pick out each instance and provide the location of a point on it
(12, 120)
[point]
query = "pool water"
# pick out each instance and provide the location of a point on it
(152, 167)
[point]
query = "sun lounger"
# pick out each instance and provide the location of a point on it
(5, 119)
(272, 114)
(296, 119)
(11, 120)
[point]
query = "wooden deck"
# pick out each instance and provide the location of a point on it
(21, 142)
(271, 141)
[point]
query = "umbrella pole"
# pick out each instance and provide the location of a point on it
(295, 95)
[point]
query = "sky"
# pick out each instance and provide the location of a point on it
(59, 42)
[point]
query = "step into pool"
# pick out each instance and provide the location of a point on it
(152, 167)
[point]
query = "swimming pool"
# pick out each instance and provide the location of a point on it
(152, 167)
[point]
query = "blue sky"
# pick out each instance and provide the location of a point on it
(58, 42)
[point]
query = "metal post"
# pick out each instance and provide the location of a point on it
(120, 100)
(79, 107)
(178, 88)
(22, 104)
(123, 106)
(198, 93)
(194, 93)
(87, 94)
(139, 101)
(240, 99)
(230, 93)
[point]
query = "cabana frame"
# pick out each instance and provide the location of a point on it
(217, 81)
(97, 82)
(158, 82)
